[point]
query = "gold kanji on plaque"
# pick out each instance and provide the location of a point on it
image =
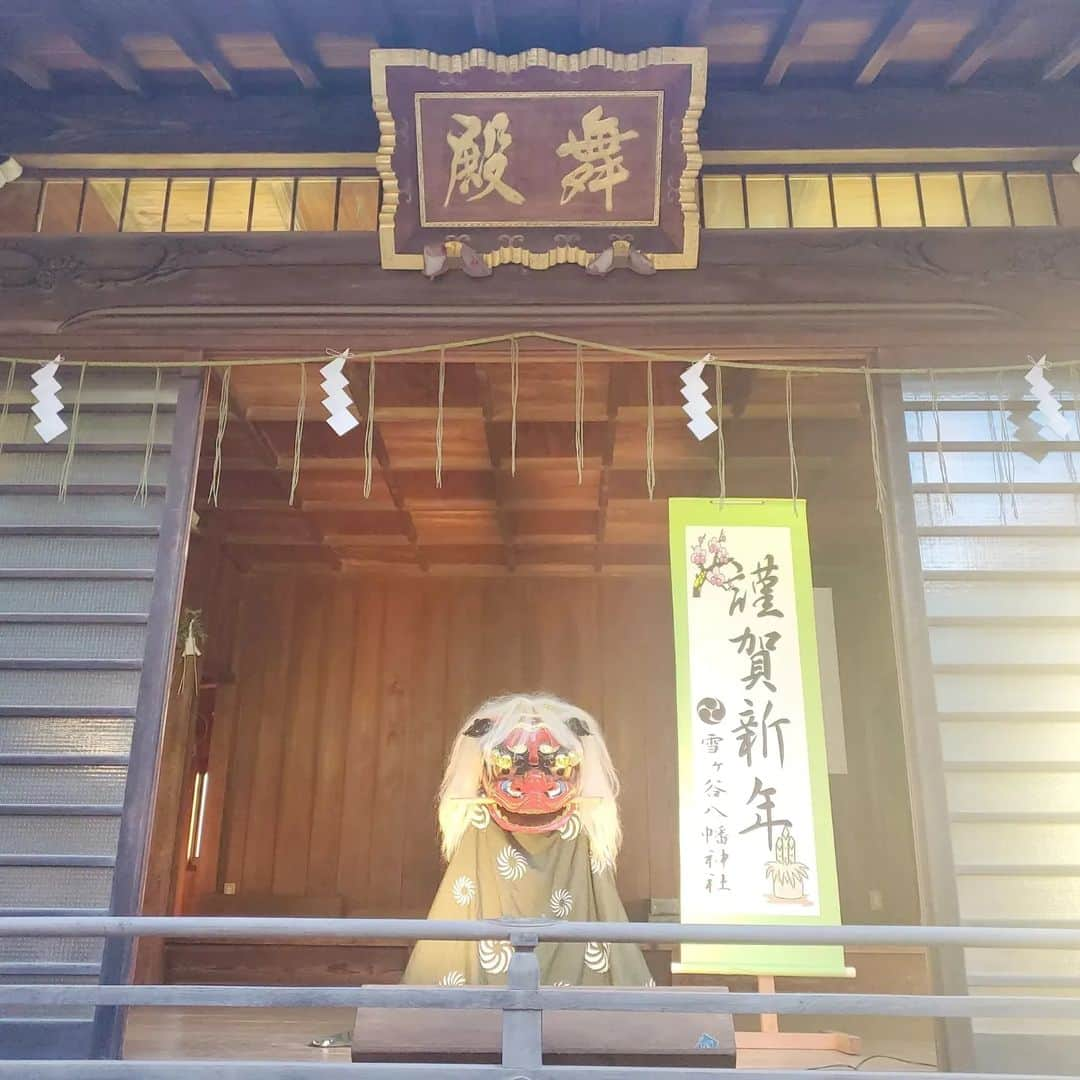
(600, 152)
(480, 166)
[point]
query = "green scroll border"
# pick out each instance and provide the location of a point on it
(808, 960)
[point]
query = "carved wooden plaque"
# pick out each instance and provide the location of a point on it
(539, 159)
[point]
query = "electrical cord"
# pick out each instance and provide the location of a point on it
(857, 1066)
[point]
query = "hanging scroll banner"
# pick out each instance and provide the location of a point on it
(755, 820)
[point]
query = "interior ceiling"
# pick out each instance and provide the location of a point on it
(485, 519)
(244, 46)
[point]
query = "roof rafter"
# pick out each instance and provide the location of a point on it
(996, 26)
(294, 44)
(13, 56)
(1064, 62)
(885, 40)
(200, 48)
(786, 40)
(91, 35)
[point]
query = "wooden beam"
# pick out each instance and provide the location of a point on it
(886, 39)
(91, 35)
(996, 26)
(13, 57)
(199, 47)
(696, 22)
(1064, 63)
(294, 44)
(485, 24)
(812, 120)
(786, 40)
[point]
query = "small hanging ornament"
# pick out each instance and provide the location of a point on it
(1049, 406)
(191, 639)
(697, 405)
(337, 402)
(47, 405)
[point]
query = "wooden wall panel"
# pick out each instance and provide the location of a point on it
(350, 691)
(348, 694)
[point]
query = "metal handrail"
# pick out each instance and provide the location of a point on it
(231, 926)
(522, 1001)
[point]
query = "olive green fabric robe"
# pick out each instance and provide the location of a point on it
(495, 874)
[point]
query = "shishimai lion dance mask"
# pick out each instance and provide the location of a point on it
(530, 829)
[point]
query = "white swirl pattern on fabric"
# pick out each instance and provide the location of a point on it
(495, 956)
(464, 891)
(597, 956)
(452, 978)
(480, 817)
(570, 828)
(562, 903)
(511, 864)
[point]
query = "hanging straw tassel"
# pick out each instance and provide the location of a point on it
(515, 380)
(439, 419)
(142, 489)
(6, 405)
(1074, 387)
(721, 449)
(369, 429)
(69, 458)
(650, 433)
(579, 415)
(794, 468)
(875, 445)
(942, 466)
(298, 438)
(1008, 465)
(222, 421)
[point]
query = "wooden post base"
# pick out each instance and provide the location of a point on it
(770, 1037)
(827, 1041)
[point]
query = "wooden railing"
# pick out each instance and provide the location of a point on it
(522, 1001)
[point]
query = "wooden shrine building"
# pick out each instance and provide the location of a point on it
(835, 184)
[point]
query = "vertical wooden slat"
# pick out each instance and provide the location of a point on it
(394, 785)
(256, 644)
(330, 760)
(264, 804)
(424, 747)
(361, 747)
(302, 705)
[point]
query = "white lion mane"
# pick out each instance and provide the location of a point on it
(461, 784)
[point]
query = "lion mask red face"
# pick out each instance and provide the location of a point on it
(531, 779)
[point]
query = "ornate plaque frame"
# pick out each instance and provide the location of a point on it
(669, 82)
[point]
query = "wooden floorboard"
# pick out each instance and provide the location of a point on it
(282, 1034)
